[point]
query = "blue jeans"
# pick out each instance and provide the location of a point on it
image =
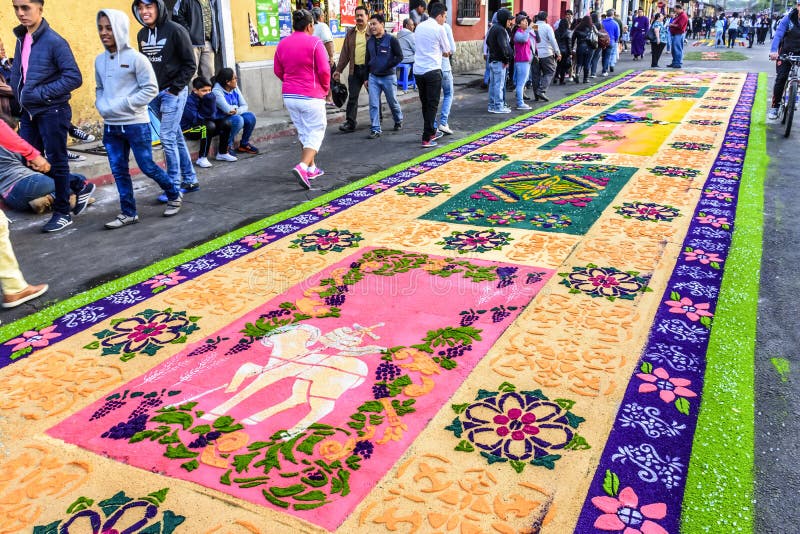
(497, 85)
(486, 74)
(596, 53)
(677, 50)
(119, 141)
(521, 71)
(37, 185)
(608, 55)
(47, 131)
(447, 98)
(169, 108)
(245, 123)
(388, 85)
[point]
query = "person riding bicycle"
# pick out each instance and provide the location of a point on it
(787, 38)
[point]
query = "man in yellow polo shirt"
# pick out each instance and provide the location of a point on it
(354, 52)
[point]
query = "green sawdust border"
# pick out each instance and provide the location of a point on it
(720, 483)
(46, 316)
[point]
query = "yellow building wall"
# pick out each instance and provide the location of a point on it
(75, 21)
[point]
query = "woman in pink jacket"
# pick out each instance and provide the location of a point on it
(301, 63)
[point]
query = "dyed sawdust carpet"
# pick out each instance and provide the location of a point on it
(715, 56)
(510, 335)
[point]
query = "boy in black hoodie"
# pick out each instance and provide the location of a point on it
(169, 49)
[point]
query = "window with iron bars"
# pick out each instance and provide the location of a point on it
(468, 9)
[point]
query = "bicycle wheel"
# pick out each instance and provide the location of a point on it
(790, 105)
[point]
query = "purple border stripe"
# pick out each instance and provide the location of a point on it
(650, 444)
(89, 315)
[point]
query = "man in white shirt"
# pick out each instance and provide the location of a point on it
(322, 31)
(432, 46)
(549, 55)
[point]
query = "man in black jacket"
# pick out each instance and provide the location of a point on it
(167, 46)
(500, 54)
(199, 17)
(383, 55)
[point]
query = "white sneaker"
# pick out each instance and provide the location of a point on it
(203, 162)
(174, 206)
(524, 106)
(226, 157)
(122, 220)
(772, 114)
(445, 129)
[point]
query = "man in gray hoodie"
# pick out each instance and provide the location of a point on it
(126, 83)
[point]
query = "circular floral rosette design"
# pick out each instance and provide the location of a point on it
(475, 241)
(465, 214)
(323, 241)
(257, 240)
(694, 311)
(677, 172)
(718, 195)
(647, 211)
(607, 282)
(670, 389)
(568, 118)
(487, 157)
(531, 135)
(147, 332)
(690, 145)
(583, 156)
(518, 427)
(423, 189)
(551, 220)
(713, 220)
(506, 217)
(622, 511)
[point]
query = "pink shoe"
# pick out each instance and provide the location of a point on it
(302, 176)
(315, 174)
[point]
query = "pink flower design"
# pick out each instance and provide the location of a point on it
(171, 279)
(34, 338)
(668, 388)
(624, 513)
(516, 423)
(719, 195)
(144, 331)
(376, 187)
(692, 310)
(703, 257)
(260, 239)
(716, 222)
(327, 209)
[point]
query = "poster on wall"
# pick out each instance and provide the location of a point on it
(334, 12)
(273, 22)
(348, 12)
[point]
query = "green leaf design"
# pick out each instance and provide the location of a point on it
(241, 462)
(517, 465)
(492, 459)
(682, 405)
(507, 387)
(567, 404)
(464, 446)
(173, 418)
(611, 483)
(94, 345)
(646, 367)
(706, 321)
(460, 408)
(20, 353)
(201, 429)
(455, 427)
(548, 461)
(179, 451)
(81, 503)
(226, 478)
(674, 295)
(714, 265)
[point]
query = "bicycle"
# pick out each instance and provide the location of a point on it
(790, 94)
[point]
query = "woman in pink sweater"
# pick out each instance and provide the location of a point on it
(301, 63)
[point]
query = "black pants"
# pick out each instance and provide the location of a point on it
(355, 81)
(564, 66)
(733, 33)
(656, 49)
(429, 86)
(207, 131)
(782, 70)
(583, 59)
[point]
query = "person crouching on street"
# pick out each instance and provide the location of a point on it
(126, 84)
(233, 107)
(301, 63)
(198, 121)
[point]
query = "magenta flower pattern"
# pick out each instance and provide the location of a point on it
(323, 241)
(32, 340)
(622, 513)
(422, 189)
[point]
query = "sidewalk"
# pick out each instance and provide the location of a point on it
(269, 126)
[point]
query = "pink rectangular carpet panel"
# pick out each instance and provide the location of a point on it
(304, 403)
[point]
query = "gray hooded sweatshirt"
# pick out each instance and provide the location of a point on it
(126, 82)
